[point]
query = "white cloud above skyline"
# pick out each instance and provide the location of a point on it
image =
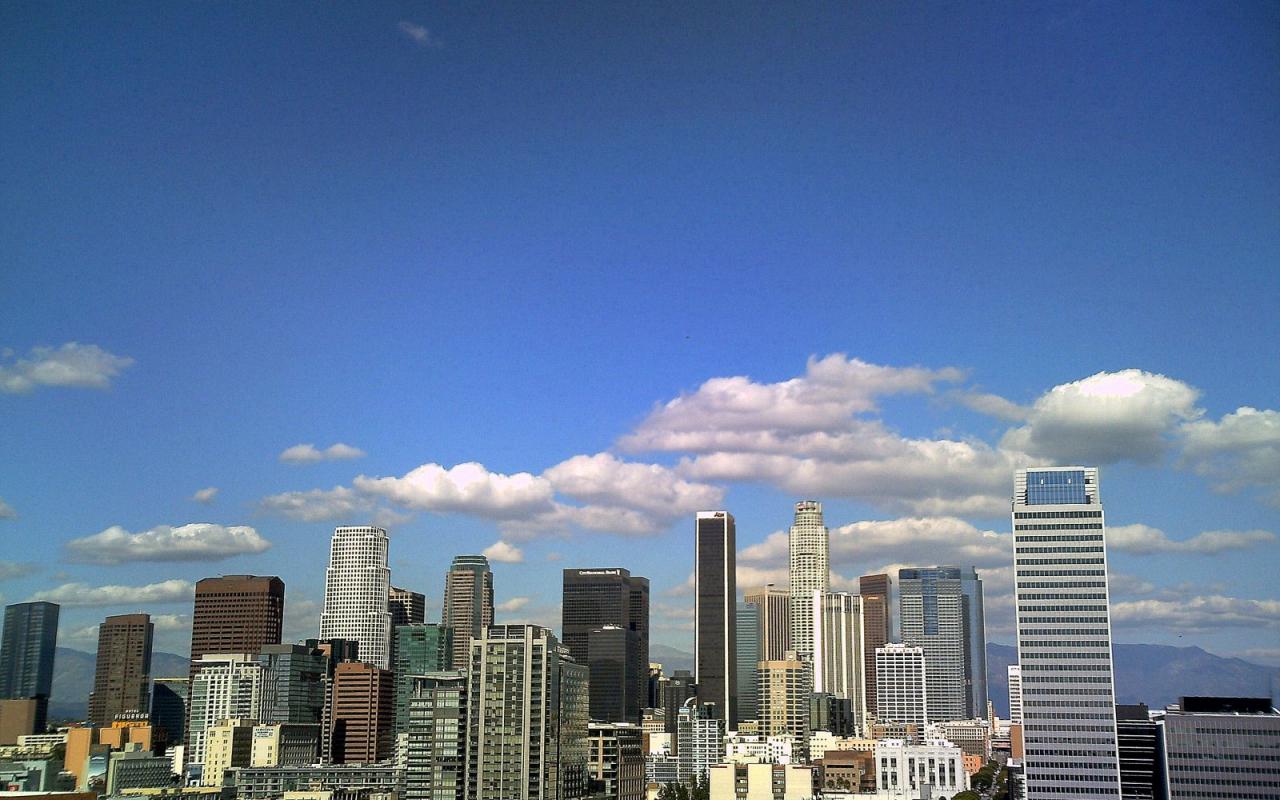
(197, 541)
(310, 454)
(83, 595)
(420, 35)
(73, 365)
(206, 495)
(504, 553)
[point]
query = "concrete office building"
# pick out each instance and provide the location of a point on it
(935, 613)
(901, 685)
(605, 624)
(436, 725)
(808, 555)
(699, 741)
(363, 713)
(122, 672)
(615, 765)
(1138, 741)
(236, 614)
(762, 782)
(715, 613)
(1015, 694)
(345, 782)
(292, 684)
(228, 744)
(223, 686)
(749, 658)
(527, 717)
(775, 620)
(785, 689)
(934, 768)
(284, 745)
(1221, 747)
(1064, 635)
(468, 604)
(27, 647)
(877, 626)
(136, 768)
(420, 649)
(838, 658)
(406, 607)
(356, 587)
(335, 652)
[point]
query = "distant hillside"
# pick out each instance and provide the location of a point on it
(73, 679)
(670, 658)
(1154, 674)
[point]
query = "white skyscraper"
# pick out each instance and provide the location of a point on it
(1064, 635)
(356, 586)
(838, 660)
(1015, 694)
(808, 545)
(901, 691)
(226, 686)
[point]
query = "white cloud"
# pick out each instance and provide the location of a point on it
(12, 569)
(420, 34)
(504, 553)
(1198, 613)
(85, 366)
(310, 454)
(466, 488)
(318, 505)
(197, 541)
(82, 595)
(992, 405)
(606, 480)
(6, 510)
(512, 605)
(1240, 451)
(1128, 415)
(171, 622)
(1145, 540)
(206, 495)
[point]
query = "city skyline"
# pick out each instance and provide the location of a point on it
(340, 291)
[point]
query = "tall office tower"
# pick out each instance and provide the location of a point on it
(877, 626)
(236, 614)
(1064, 634)
(901, 685)
(27, 649)
(775, 620)
(975, 644)
(169, 697)
(1015, 694)
(749, 658)
(615, 766)
(807, 546)
(356, 587)
(420, 650)
(292, 684)
(838, 639)
(1221, 747)
(715, 613)
(610, 607)
(406, 607)
(1139, 744)
(785, 688)
(699, 740)
(932, 608)
(527, 717)
(679, 688)
(363, 696)
(436, 752)
(468, 604)
(224, 686)
(335, 652)
(122, 674)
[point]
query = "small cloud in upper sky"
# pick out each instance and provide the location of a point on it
(310, 454)
(6, 510)
(205, 495)
(82, 366)
(504, 553)
(420, 34)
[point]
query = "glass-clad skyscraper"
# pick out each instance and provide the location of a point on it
(715, 613)
(26, 654)
(1064, 635)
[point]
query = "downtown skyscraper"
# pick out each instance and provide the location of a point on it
(26, 655)
(468, 604)
(605, 625)
(1064, 635)
(807, 546)
(122, 672)
(941, 611)
(236, 614)
(356, 588)
(715, 613)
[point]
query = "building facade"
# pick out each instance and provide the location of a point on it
(236, 614)
(607, 609)
(1015, 694)
(406, 607)
(615, 767)
(749, 658)
(1221, 747)
(356, 587)
(292, 684)
(223, 686)
(877, 626)
(122, 672)
(1064, 635)
(27, 647)
(1138, 741)
(808, 556)
(902, 685)
(775, 620)
(420, 650)
(931, 608)
(785, 690)
(436, 724)
(363, 713)
(699, 741)
(468, 604)
(838, 657)
(715, 613)
(933, 768)
(169, 697)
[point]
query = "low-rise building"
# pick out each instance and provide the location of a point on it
(270, 783)
(744, 748)
(616, 763)
(136, 768)
(973, 736)
(848, 771)
(931, 769)
(762, 782)
(1221, 747)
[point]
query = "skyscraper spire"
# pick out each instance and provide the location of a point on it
(808, 547)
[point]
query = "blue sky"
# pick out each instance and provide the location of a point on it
(620, 262)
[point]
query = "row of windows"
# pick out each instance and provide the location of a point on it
(1104, 691)
(1061, 668)
(1065, 679)
(1061, 573)
(1065, 715)
(1065, 620)
(1064, 643)
(1063, 608)
(1057, 515)
(1106, 655)
(1033, 562)
(1084, 548)
(1061, 526)
(1063, 631)
(1064, 596)
(1036, 751)
(1059, 537)
(1077, 729)
(1069, 704)
(1062, 585)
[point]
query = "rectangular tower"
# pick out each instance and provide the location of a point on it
(775, 620)
(785, 688)
(356, 587)
(420, 650)
(406, 607)
(749, 658)
(1064, 635)
(609, 598)
(715, 603)
(236, 614)
(838, 641)
(932, 610)
(877, 626)
(122, 673)
(468, 604)
(436, 751)
(807, 547)
(26, 655)
(363, 699)
(902, 685)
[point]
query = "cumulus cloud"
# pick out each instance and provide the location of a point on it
(318, 505)
(504, 553)
(1241, 450)
(1146, 540)
(604, 479)
(82, 595)
(12, 569)
(1198, 613)
(467, 488)
(511, 605)
(206, 495)
(310, 454)
(991, 405)
(6, 510)
(1129, 415)
(197, 541)
(75, 365)
(420, 35)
